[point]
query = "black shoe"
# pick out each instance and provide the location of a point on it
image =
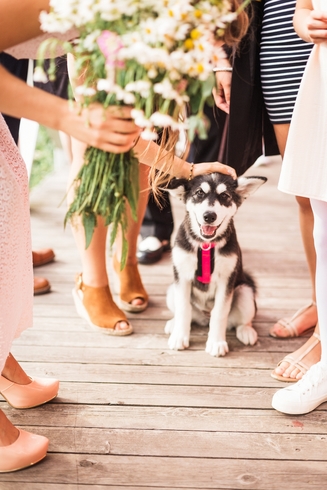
(151, 249)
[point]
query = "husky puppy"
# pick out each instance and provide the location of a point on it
(210, 286)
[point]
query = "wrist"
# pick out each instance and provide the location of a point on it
(65, 115)
(190, 176)
(182, 170)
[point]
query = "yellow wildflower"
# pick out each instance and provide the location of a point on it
(195, 34)
(188, 43)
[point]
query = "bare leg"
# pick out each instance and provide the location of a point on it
(309, 317)
(305, 218)
(135, 226)
(8, 433)
(306, 226)
(14, 372)
(94, 257)
(320, 240)
(132, 234)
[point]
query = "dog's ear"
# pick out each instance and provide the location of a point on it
(176, 188)
(248, 185)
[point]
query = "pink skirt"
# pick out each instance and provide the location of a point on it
(16, 271)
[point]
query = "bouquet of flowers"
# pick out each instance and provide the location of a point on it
(154, 55)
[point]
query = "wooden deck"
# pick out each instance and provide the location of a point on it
(133, 415)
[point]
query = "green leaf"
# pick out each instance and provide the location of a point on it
(89, 223)
(195, 102)
(192, 126)
(207, 86)
(198, 125)
(103, 185)
(123, 253)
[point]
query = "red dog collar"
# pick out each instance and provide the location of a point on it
(206, 262)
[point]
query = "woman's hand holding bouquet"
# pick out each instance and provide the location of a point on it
(154, 55)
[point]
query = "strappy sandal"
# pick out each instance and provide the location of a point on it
(289, 327)
(297, 363)
(98, 308)
(130, 287)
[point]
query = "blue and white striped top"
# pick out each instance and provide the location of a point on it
(283, 56)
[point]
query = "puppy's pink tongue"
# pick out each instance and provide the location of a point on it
(208, 230)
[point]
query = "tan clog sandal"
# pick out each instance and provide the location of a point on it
(98, 308)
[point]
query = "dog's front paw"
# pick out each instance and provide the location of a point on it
(178, 341)
(169, 327)
(246, 334)
(217, 349)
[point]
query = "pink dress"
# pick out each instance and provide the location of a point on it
(16, 272)
(304, 169)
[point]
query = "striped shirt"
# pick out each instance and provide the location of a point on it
(283, 56)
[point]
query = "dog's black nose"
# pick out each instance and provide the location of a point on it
(209, 217)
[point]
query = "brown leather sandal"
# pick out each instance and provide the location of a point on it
(130, 287)
(297, 362)
(98, 308)
(288, 327)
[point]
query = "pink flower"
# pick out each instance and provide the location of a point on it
(110, 45)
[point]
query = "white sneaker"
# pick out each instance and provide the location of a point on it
(305, 395)
(151, 243)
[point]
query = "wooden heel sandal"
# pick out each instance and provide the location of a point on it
(98, 308)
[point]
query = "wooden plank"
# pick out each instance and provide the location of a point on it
(195, 376)
(189, 473)
(165, 395)
(94, 339)
(150, 357)
(190, 444)
(266, 300)
(169, 418)
(62, 273)
(155, 326)
(58, 486)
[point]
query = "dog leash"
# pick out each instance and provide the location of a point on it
(206, 262)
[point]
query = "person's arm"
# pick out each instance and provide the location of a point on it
(147, 153)
(223, 74)
(221, 93)
(111, 130)
(310, 25)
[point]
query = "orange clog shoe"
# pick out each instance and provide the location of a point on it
(42, 257)
(41, 285)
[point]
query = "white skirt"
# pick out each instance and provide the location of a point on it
(304, 168)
